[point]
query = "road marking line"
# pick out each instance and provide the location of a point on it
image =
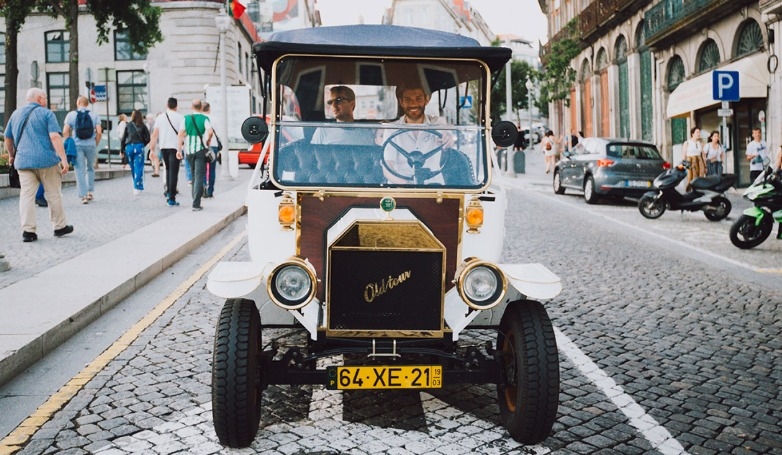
(22, 434)
(652, 431)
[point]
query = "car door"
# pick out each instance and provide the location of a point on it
(569, 168)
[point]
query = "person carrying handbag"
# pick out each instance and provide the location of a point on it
(194, 132)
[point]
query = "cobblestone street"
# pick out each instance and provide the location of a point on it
(656, 350)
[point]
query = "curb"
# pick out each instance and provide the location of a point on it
(74, 315)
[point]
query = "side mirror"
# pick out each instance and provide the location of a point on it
(255, 130)
(504, 133)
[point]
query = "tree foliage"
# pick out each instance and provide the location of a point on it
(519, 71)
(139, 18)
(15, 13)
(558, 75)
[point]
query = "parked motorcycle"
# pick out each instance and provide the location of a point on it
(755, 224)
(707, 194)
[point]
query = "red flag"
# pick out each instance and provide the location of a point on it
(237, 9)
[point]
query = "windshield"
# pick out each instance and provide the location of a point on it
(379, 123)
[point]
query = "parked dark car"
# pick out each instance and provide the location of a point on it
(609, 167)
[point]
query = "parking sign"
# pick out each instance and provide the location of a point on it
(725, 85)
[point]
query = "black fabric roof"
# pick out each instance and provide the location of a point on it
(377, 40)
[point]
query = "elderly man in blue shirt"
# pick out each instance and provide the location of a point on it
(35, 147)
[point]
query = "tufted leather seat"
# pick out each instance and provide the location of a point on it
(305, 163)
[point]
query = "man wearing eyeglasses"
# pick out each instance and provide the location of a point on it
(342, 101)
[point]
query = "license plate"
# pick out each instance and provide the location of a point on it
(638, 183)
(384, 377)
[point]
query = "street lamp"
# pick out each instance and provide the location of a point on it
(529, 86)
(223, 22)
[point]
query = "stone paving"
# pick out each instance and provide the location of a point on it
(115, 212)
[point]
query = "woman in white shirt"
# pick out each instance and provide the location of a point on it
(714, 154)
(693, 150)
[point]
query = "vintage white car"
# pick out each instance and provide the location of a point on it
(379, 234)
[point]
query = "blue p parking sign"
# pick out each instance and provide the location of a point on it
(725, 85)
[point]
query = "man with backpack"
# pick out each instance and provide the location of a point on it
(84, 126)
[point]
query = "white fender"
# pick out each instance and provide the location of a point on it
(532, 280)
(235, 279)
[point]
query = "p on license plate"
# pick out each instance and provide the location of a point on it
(384, 377)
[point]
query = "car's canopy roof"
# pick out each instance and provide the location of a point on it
(377, 40)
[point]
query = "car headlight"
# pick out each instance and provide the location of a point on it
(292, 284)
(481, 284)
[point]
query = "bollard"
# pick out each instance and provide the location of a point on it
(520, 162)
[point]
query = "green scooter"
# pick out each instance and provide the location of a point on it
(755, 224)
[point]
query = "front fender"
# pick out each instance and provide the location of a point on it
(755, 212)
(235, 279)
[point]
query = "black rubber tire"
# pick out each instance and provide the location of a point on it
(745, 233)
(722, 213)
(589, 191)
(236, 385)
(558, 188)
(529, 393)
(650, 207)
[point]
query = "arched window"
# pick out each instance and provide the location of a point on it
(709, 56)
(675, 73)
(584, 74)
(621, 49)
(750, 39)
(602, 59)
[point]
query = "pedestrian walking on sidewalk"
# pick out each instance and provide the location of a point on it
(714, 154)
(122, 123)
(211, 168)
(692, 149)
(35, 149)
(154, 157)
(84, 126)
(166, 136)
(550, 146)
(757, 154)
(195, 132)
(133, 141)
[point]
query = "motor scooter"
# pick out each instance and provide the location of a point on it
(707, 194)
(754, 226)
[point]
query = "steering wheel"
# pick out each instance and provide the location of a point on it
(415, 158)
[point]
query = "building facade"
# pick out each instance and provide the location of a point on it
(645, 71)
(182, 66)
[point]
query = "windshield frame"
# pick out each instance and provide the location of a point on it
(481, 161)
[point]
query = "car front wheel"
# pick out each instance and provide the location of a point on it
(558, 188)
(236, 382)
(529, 392)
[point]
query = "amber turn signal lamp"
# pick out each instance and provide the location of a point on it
(473, 216)
(286, 212)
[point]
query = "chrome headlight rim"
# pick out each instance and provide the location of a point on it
(278, 298)
(461, 281)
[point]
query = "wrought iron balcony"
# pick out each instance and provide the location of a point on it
(605, 13)
(670, 20)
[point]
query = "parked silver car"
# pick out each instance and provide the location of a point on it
(609, 167)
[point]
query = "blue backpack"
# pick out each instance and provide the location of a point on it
(84, 127)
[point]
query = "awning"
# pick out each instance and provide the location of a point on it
(697, 92)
